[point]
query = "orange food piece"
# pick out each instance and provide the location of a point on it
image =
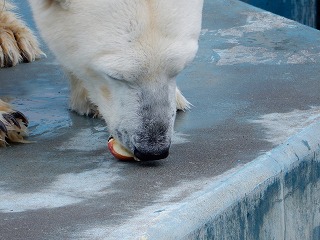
(119, 151)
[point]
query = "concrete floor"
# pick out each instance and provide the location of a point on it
(254, 82)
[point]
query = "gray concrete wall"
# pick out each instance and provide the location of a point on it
(284, 207)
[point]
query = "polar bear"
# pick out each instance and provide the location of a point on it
(122, 58)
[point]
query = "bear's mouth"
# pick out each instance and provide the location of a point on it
(122, 153)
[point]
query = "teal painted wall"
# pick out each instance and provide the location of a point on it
(303, 11)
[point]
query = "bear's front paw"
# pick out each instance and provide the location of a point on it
(17, 42)
(13, 126)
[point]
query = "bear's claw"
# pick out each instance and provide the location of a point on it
(11, 119)
(3, 128)
(20, 115)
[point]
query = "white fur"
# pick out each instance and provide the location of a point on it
(123, 56)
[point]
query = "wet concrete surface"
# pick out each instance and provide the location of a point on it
(66, 184)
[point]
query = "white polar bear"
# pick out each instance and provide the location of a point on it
(122, 57)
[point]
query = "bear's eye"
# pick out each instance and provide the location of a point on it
(115, 76)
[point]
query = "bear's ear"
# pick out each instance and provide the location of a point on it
(64, 3)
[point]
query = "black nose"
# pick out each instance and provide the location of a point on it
(148, 156)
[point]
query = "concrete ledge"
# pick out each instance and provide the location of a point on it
(275, 196)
